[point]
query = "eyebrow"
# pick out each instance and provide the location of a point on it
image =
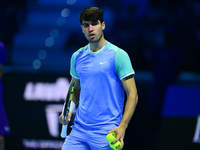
(91, 22)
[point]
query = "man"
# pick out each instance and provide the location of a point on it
(4, 125)
(101, 72)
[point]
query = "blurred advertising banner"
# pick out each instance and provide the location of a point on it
(33, 104)
(180, 123)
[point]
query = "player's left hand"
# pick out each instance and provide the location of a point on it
(65, 122)
(120, 131)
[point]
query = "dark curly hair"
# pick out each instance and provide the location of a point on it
(91, 14)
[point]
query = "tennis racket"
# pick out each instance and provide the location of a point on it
(66, 108)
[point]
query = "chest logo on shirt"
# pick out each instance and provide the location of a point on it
(101, 63)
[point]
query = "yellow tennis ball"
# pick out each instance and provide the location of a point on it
(111, 137)
(116, 146)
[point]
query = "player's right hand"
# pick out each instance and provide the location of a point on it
(64, 122)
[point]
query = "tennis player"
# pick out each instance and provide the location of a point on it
(4, 126)
(101, 71)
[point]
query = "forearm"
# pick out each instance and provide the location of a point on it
(131, 103)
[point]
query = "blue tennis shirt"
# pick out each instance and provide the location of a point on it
(101, 98)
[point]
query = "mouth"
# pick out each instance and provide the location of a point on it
(92, 35)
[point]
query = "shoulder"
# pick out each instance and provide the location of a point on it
(112, 47)
(116, 49)
(79, 51)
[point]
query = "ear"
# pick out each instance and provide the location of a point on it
(82, 29)
(103, 25)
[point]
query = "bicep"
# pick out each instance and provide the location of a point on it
(77, 89)
(129, 86)
(77, 83)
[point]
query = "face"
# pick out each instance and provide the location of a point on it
(93, 31)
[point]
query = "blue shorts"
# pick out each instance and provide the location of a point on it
(80, 139)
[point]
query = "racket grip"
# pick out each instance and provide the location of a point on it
(64, 131)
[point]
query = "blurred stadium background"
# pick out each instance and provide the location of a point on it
(162, 38)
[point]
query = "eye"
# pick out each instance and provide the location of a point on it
(85, 25)
(95, 23)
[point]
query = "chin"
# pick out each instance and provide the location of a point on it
(92, 41)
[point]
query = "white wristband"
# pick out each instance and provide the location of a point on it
(72, 106)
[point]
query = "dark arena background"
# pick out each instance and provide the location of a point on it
(162, 38)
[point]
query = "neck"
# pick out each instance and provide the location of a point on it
(96, 46)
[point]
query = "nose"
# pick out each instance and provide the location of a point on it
(90, 28)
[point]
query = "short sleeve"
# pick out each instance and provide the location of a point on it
(123, 64)
(73, 71)
(2, 54)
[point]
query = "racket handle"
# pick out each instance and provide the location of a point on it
(64, 131)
